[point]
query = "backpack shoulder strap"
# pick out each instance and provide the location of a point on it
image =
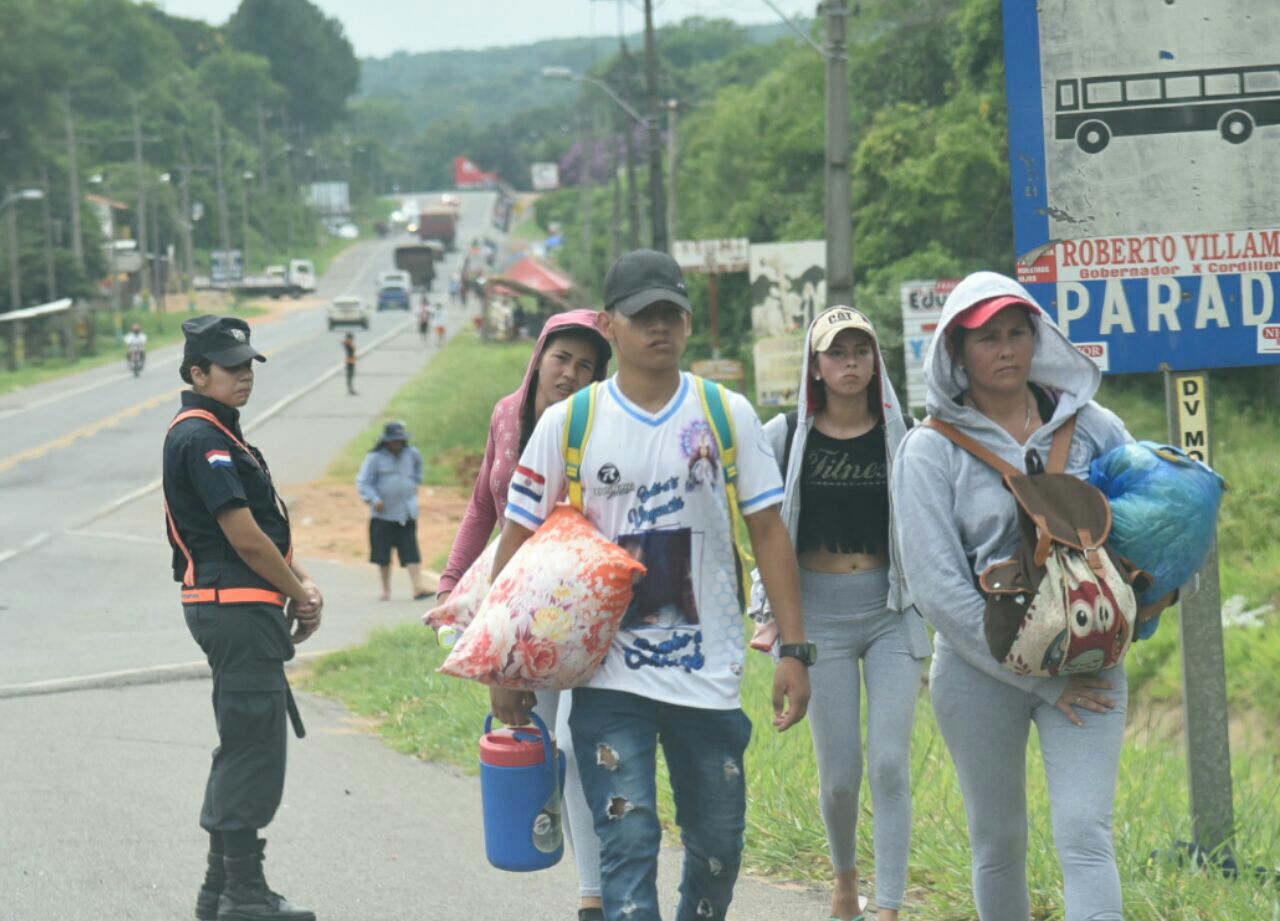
(1061, 446)
(577, 429)
(964, 441)
(715, 403)
(793, 423)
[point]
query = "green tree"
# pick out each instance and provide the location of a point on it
(309, 53)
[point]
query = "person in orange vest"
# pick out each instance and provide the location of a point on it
(349, 361)
(247, 601)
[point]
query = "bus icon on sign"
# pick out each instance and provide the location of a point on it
(1229, 100)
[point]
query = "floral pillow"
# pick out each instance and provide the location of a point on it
(459, 609)
(550, 617)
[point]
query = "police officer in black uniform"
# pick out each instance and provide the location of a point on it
(242, 592)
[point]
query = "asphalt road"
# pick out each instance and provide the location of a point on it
(105, 727)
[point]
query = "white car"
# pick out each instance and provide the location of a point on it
(348, 311)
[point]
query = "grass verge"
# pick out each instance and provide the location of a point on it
(393, 679)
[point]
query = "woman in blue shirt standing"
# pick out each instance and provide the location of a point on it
(388, 482)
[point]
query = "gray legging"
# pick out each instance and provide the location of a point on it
(845, 615)
(553, 707)
(986, 724)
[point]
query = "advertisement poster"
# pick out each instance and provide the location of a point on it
(788, 286)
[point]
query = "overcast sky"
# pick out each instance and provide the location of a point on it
(378, 28)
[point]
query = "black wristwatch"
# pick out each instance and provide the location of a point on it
(805, 652)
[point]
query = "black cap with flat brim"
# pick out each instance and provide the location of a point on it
(222, 340)
(642, 278)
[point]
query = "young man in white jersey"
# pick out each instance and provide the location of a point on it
(652, 481)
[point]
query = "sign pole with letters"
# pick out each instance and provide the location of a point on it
(1204, 674)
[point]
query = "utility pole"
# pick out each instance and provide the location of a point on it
(588, 160)
(73, 183)
(15, 270)
(142, 193)
(262, 150)
(50, 273)
(615, 225)
(657, 216)
(245, 179)
(188, 257)
(673, 108)
(224, 229)
(839, 199)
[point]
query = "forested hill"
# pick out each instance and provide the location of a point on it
(493, 84)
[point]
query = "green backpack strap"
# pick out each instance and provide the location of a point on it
(715, 403)
(577, 429)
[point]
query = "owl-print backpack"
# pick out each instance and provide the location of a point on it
(1065, 602)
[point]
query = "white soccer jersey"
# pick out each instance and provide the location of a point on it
(653, 483)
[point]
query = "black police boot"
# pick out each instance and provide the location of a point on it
(215, 880)
(247, 897)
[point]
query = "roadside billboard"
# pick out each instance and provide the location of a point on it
(1142, 139)
(779, 362)
(712, 256)
(545, 176)
(788, 286)
(921, 311)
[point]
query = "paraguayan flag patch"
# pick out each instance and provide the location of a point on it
(219, 458)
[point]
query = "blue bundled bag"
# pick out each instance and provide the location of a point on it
(1164, 507)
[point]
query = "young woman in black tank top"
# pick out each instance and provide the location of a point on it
(842, 438)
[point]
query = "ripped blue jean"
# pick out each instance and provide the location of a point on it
(615, 738)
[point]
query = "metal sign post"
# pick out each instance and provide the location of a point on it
(1204, 673)
(712, 258)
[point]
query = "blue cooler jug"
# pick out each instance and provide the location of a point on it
(521, 776)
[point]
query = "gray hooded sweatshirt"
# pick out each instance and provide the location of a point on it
(954, 516)
(895, 430)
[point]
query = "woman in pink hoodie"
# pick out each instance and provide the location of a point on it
(570, 354)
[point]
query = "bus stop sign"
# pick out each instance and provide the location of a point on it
(1143, 142)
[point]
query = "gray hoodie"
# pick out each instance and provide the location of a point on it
(895, 430)
(954, 516)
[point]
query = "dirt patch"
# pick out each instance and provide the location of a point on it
(330, 522)
(1163, 721)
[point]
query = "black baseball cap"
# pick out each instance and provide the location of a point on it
(643, 277)
(222, 340)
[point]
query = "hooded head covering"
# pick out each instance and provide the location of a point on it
(506, 435)
(895, 423)
(578, 321)
(1056, 364)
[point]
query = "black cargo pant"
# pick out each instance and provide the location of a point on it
(247, 646)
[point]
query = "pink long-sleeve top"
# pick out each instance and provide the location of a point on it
(502, 452)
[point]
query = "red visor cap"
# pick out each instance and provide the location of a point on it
(979, 314)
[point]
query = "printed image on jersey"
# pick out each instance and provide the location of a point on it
(698, 445)
(664, 598)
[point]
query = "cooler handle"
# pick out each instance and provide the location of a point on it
(542, 728)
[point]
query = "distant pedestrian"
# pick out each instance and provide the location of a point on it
(349, 361)
(388, 482)
(438, 317)
(425, 312)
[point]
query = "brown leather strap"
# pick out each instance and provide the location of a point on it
(977, 450)
(1061, 446)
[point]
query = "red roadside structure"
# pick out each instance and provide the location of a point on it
(466, 175)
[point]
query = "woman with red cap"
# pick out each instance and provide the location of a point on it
(1002, 373)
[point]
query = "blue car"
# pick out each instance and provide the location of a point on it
(393, 297)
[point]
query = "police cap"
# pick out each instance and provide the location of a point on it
(222, 340)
